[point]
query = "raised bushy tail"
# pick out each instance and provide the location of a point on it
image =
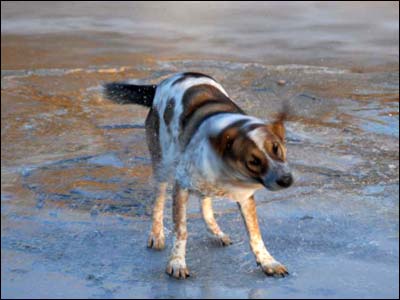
(126, 93)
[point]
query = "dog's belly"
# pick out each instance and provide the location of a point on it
(233, 191)
(208, 189)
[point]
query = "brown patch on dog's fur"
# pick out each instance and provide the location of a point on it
(199, 103)
(249, 214)
(195, 96)
(194, 121)
(180, 198)
(169, 113)
(152, 125)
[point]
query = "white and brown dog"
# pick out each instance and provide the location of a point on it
(198, 136)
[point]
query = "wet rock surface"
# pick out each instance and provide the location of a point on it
(76, 175)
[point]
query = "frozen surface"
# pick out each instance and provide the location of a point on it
(76, 175)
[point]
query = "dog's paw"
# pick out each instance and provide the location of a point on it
(177, 268)
(274, 268)
(157, 242)
(225, 240)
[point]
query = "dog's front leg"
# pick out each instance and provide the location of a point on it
(212, 225)
(177, 264)
(269, 265)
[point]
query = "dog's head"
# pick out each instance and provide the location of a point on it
(255, 153)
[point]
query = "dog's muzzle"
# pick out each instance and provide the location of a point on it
(285, 180)
(278, 178)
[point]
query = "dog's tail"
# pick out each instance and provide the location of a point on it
(126, 93)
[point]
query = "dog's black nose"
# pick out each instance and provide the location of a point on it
(285, 181)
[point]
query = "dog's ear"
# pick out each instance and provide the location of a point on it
(278, 125)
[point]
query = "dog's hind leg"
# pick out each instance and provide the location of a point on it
(157, 238)
(177, 262)
(211, 223)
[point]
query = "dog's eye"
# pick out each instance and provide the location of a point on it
(255, 161)
(275, 149)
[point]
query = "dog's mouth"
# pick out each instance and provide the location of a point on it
(273, 187)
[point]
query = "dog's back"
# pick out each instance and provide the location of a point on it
(179, 106)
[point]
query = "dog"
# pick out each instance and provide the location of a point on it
(209, 146)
